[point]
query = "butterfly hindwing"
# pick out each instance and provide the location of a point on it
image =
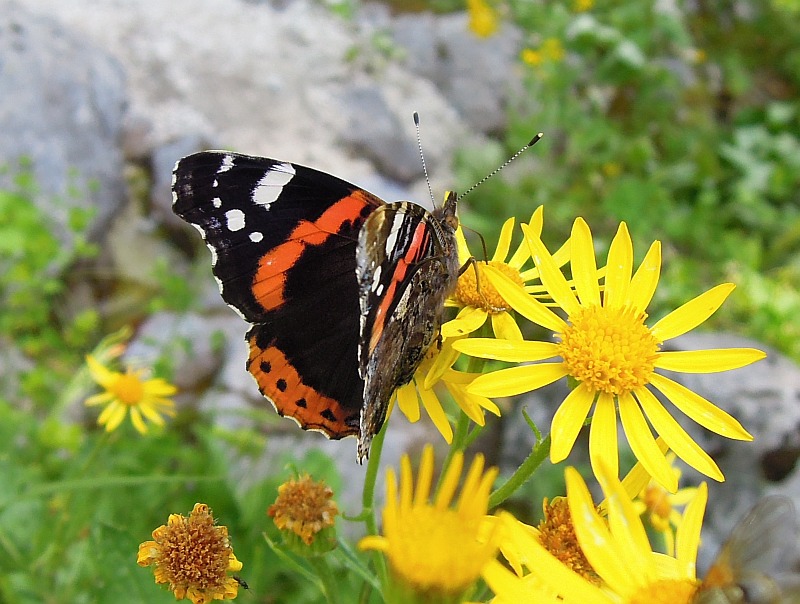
(283, 240)
(407, 264)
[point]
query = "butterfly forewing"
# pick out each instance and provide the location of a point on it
(283, 241)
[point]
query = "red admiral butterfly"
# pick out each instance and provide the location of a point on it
(345, 292)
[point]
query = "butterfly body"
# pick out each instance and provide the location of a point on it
(344, 292)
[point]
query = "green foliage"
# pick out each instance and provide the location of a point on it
(652, 116)
(33, 267)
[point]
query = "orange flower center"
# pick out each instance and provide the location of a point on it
(610, 349)
(487, 298)
(128, 389)
(557, 535)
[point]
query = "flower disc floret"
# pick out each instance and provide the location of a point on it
(609, 349)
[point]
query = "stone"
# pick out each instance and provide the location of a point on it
(65, 114)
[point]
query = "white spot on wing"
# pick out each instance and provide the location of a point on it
(235, 219)
(227, 164)
(217, 202)
(256, 236)
(269, 188)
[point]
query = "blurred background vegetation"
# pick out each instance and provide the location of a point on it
(684, 122)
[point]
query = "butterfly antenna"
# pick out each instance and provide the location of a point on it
(530, 144)
(422, 157)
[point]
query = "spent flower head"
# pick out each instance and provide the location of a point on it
(436, 551)
(130, 392)
(606, 345)
(193, 556)
(305, 512)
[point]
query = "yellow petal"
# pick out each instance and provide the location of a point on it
(504, 241)
(442, 363)
(584, 266)
(643, 444)
(505, 327)
(374, 542)
(708, 361)
(692, 313)
(516, 380)
(408, 402)
(603, 552)
(687, 538)
(522, 254)
(704, 412)
(437, 414)
(468, 320)
(461, 244)
(99, 399)
(627, 531)
(638, 478)
(513, 351)
(550, 274)
(99, 372)
(424, 477)
(138, 423)
(447, 488)
(568, 421)
(645, 280)
(676, 437)
(603, 436)
(519, 300)
(112, 416)
(618, 269)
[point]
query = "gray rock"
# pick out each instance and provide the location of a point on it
(474, 74)
(62, 102)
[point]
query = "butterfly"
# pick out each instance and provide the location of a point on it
(344, 292)
(745, 570)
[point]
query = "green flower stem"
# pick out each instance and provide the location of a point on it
(324, 572)
(538, 454)
(368, 497)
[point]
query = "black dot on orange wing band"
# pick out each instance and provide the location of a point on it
(284, 387)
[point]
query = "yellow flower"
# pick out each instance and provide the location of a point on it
(477, 306)
(616, 548)
(608, 349)
(435, 368)
(194, 556)
(145, 399)
(434, 550)
(581, 6)
(659, 506)
(304, 509)
(532, 57)
(483, 19)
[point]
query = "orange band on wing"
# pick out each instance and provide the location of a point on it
(411, 257)
(280, 382)
(270, 278)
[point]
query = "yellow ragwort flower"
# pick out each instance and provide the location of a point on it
(606, 346)
(617, 549)
(305, 509)
(483, 19)
(434, 550)
(193, 556)
(124, 392)
(478, 306)
(437, 368)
